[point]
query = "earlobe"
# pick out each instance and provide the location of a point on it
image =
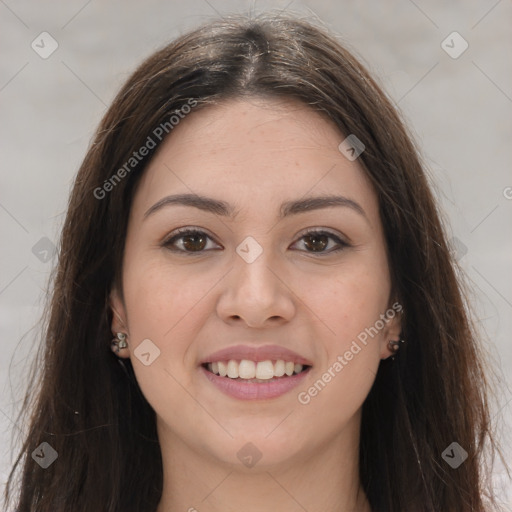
(392, 340)
(394, 347)
(119, 342)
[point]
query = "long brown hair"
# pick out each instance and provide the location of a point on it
(88, 407)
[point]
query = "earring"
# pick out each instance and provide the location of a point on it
(119, 342)
(394, 347)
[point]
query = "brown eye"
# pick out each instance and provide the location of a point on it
(321, 242)
(316, 243)
(190, 241)
(195, 242)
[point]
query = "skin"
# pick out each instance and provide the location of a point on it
(255, 154)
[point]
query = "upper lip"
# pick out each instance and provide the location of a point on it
(256, 353)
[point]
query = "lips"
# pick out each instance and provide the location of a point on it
(256, 354)
(251, 390)
(248, 372)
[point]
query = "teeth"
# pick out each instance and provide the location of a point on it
(223, 370)
(264, 370)
(233, 369)
(261, 370)
(279, 368)
(247, 369)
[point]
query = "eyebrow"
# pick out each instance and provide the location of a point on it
(224, 209)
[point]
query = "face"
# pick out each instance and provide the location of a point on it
(252, 259)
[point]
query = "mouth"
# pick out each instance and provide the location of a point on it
(249, 372)
(259, 372)
(254, 380)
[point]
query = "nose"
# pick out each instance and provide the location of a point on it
(256, 294)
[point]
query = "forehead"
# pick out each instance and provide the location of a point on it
(251, 152)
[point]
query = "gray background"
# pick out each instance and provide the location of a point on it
(459, 110)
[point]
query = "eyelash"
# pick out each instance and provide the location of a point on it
(182, 232)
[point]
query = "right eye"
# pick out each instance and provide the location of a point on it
(190, 241)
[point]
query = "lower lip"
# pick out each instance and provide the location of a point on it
(255, 390)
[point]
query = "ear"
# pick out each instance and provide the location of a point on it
(392, 330)
(119, 323)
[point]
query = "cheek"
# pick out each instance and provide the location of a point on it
(341, 383)
(158, 301)
(350, 305)
(164, 305)
(161, 297)
(351, 302)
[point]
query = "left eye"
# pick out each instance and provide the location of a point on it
(322, 242)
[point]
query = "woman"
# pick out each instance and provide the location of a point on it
(255, 306)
